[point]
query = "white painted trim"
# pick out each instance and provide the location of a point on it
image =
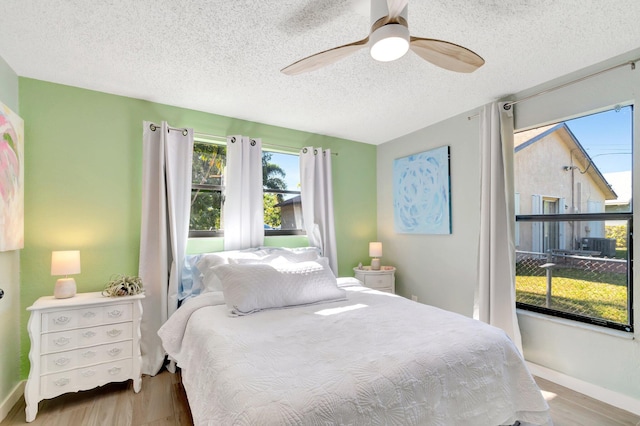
(607, 396)
(11, 399)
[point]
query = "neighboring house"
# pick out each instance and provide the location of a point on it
(291, 213)
(621, 183)
(555, 175)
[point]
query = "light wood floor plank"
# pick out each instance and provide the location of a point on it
(163, 402)
(569, 408)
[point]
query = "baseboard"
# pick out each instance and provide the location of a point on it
(11, 399)
(610, 397)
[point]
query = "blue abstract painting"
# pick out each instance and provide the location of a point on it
(421, 193)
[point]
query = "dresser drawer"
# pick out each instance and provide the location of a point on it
(378, 282)
(60, 361)
(72, 339)
(73, 318)
(96, 375)
(52, 385)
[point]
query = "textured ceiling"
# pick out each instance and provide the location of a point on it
(224, 57)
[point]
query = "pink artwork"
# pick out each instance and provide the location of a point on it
(11, 180)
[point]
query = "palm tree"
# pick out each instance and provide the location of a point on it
(272, 175)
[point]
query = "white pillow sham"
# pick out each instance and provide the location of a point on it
(250, 288)
(208, 261)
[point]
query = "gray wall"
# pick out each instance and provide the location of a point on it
(441, 270)
(9, 276)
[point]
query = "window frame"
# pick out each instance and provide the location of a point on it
(219, 233)
(199, 233)
(282, 232)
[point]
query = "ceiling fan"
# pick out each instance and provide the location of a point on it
(389, 39)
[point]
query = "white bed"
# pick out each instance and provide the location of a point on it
(373, 358)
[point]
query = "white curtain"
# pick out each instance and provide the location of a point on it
(316, 191)
(243, 211)
(495, 291)
(166, 194)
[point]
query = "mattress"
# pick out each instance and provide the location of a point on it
(375, 358)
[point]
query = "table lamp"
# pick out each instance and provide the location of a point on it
(65, 263)
(375, 251)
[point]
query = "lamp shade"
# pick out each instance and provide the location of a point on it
(375, 249)
(65, 262)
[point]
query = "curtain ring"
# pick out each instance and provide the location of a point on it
(253, 142)
(153, 127)
(233, 139)
(315, 151)
(304, 150)
(184, 132)
(507, 107)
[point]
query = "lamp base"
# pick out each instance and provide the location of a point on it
(65, 288)
(375, 264)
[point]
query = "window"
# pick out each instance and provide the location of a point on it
(207, 189)
(282, 207)
(574, 219)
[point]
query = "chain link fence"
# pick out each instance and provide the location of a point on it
(589, 286)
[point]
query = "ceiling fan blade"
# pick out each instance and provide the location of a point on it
(395, 7)
(446, 55)
(322, 59)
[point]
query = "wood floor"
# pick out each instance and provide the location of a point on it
(162, 401)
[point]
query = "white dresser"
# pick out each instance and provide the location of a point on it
(82, 342)
(383, 279)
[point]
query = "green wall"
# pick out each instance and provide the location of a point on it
(83, 183)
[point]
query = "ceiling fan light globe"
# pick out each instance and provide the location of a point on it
(389, 42)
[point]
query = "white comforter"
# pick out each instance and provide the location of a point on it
(373, 359)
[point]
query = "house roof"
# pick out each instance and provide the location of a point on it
(224, 57)
(293, 200)
(583, 161)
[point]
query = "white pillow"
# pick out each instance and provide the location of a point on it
(249, 288)
(209, 281)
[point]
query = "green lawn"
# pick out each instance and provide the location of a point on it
(573, 290)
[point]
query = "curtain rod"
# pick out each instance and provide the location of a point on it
(153, 127)
(507, 106)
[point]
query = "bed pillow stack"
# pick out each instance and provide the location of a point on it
(251, 286)
(198, 277)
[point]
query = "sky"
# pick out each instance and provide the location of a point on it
(291, 165)
(608, 139)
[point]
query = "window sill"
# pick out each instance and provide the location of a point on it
(577, 324)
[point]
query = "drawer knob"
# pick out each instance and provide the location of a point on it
(114, 351)
(89, 314)
(88, 373)
(61, 361)
(116, 313)
(61, 341)
(114, 370)
(88, 354)
(114, 332)
(62, 382)
(88, 334)
(61, 320)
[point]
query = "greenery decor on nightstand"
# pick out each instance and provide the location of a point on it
(123, 285)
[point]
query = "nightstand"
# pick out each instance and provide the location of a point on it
(382, 280)
(80, 343)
